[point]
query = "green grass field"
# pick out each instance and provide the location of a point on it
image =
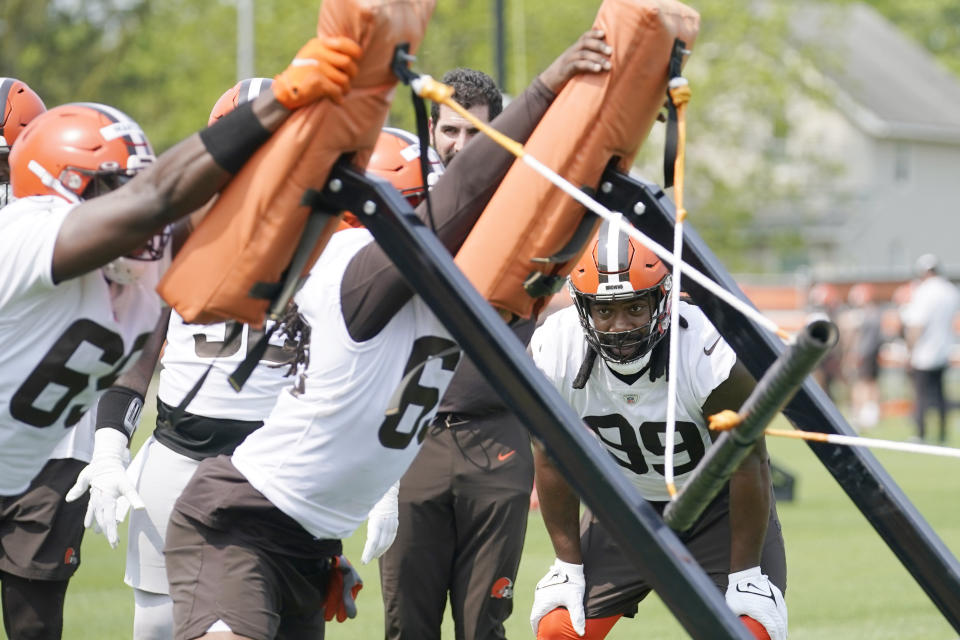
(843, 580)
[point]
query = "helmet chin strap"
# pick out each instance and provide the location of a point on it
(47, 179)
(632, 367)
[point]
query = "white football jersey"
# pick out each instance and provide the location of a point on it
(630, 420)
(192, 348)
(327, 455)
(61, 343)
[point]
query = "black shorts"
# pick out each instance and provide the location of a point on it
(258, 595)
(614, 585)
(256, 569)
(40, 533)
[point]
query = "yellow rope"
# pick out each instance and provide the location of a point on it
(680, 95)
(725, 420)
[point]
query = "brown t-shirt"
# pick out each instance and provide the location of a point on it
(469, 393)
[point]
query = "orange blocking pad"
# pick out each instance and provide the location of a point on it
(252, 230)
(595, 118)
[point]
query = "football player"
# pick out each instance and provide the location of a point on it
(80, 252)
(253, 544)
(41, 534)
(607, 355)
(218, 418)
(464, 500)
(215, 421)
(20, 105)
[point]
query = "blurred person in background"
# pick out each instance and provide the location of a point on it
(928, 329)
(863, 354)
(824, 298)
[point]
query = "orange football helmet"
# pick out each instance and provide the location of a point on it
(243, 91)
(78, 151)
(614, 269)
(396, 158)
(19, 106)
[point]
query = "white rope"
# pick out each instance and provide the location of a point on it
(872, 443)
(672, 362)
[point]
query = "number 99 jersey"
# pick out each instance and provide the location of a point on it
(61, 343)
(630, 419)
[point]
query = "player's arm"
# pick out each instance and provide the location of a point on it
(138, 377)
(374, 289)
(188, 175)
(120, 405)
(559, 506)
(118, 414)
(749, 591)
(564, 584)
(750, 483)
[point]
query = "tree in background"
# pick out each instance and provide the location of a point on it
(741, 91)
(165, 62)
(935, 24)
(67, 51)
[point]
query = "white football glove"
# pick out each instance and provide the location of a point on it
(382, 523)
(106, 477)
(750, 593)
(563, 586)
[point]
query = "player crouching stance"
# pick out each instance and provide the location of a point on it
(621, 313)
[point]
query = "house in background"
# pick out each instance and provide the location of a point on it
(891, 120)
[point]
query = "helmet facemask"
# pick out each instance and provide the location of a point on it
(633, 345)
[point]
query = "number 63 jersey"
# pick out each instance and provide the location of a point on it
(328, 453)
(630, 419)
(61, 343)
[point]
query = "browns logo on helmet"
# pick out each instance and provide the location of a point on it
(243, 91)
(396, 158)
(617, 268)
